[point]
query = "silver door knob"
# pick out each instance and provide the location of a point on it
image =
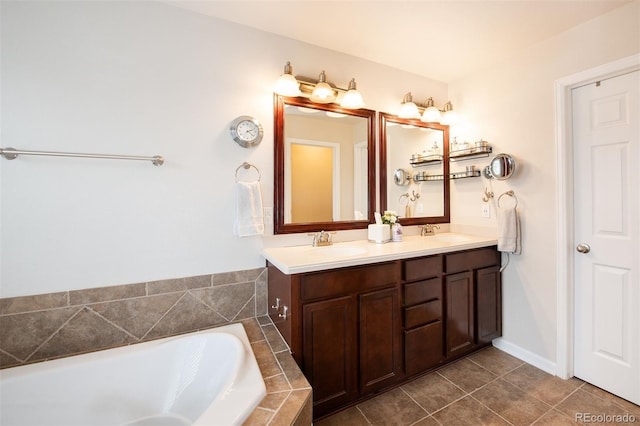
(583, 248)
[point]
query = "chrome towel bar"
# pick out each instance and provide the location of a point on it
(12, 153)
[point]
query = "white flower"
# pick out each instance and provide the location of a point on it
(390, 217)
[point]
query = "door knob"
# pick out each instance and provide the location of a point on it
(583, 248)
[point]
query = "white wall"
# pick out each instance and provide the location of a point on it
(141, 78)
(512, 106)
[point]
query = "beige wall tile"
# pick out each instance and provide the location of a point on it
(103, 294)
(139, 314)
(291, 369)
(290, 409)
(22, 334)
(188, 314)
(85, 332)
(14, 305)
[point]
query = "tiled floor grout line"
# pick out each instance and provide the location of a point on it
(524, 384)
(417, 403)
(489, 408)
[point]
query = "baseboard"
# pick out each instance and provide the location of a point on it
(525, 355)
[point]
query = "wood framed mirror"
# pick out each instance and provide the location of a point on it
(325, 174)
(422, 150)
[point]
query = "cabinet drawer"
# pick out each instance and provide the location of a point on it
(424, 348)
(424, 267)
(473, 259)
(339, 282)
(422, 291)
(422, 314)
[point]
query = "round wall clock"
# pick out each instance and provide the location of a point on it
(246, 131)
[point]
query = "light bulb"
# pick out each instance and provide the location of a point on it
(352, 99)
(408, 108)
(287, 85)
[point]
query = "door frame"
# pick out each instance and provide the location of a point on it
(565, 278)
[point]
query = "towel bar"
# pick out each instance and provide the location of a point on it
(12, 153)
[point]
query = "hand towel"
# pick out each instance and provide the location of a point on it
(248, 209)
(509, 231)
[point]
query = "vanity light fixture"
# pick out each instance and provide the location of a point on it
(408, 109)
(323, 93)
(450, 117)
(352, 99)
(287, 85)
(319, 91)
(430, 113)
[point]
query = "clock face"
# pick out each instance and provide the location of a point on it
(246, 131)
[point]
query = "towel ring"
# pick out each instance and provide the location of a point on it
(247, 166)
(510, 194)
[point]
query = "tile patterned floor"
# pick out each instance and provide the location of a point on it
(489, 387)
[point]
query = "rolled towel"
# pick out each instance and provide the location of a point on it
(248, 209)
(509, 231)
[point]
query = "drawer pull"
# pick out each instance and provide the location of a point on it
(285, 310)
(277, 305)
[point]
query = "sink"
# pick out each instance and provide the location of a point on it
(448, 238)
(336, 251)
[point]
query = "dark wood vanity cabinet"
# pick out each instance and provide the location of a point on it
(348, 337)
(357, 330)
(423, 313)
(473, 294)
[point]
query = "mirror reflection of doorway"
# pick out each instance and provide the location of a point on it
(314, 182)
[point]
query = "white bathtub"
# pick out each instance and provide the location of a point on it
(204, 378)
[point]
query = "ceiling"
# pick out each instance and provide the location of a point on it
(442, 40)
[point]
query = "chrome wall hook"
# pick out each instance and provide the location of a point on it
(487, 195)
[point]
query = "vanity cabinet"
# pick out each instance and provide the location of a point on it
(345, 329)
(423, 313)
(474, 308)
(357, 330)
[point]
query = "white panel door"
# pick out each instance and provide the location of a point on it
(607, 259)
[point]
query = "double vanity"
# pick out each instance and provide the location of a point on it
(360, 317)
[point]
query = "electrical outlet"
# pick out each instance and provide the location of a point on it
(486, 211)
(267, 215)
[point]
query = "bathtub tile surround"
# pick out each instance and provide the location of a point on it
(288, 399)
(54, 325)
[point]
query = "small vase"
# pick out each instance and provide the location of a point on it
(396, 232)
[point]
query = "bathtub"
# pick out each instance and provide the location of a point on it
(205, 378)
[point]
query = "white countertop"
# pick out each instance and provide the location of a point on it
(298, 259)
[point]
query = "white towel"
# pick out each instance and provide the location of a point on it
(509, 231)
(248, 210)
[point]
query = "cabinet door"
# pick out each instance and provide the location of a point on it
(330, 352)
(380, 339)
(489, 305)
(460, 325)
(423, 348)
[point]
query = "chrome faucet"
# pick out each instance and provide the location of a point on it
(428, 229)
(321, 238)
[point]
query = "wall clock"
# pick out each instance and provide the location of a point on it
(246, 131)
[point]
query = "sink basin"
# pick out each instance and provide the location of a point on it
(449, 238)
(336, 251)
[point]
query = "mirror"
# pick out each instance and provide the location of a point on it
(324, 166)
(501, 167)
(422, 151)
